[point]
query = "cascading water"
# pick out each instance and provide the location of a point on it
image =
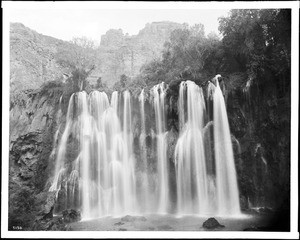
(129, 179)
(192, 184)
(114, 100)
(158, 93)
(99, 172)
(85, 131)
(59, 164)
(226, 180)
(145, 195)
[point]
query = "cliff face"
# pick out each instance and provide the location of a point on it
(122, 54)
(33, 122)
(34, 61)
(32, 58)
(260, 121)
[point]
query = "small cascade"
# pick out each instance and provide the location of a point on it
(55, 137)
(59, 163)
(145, 195)
(238, 145)
(158, 93)
(129, 179)
(114, 100)
(259, 151)
(181, 107)
(85, 131)
(246, 90)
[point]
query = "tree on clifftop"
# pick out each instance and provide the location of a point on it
(81, 54)
(188, 55)
(80, 58)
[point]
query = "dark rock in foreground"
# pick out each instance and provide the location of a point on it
(212, 223)
(47, 200)
(54, 224)
(71, 215)
(49, 223)
(129, 218)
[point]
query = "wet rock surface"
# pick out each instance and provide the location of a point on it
(52, 224)
(129, 218)
(212, 223)
(59, 223)
(71, 215)
(32, 126)
(47, 201)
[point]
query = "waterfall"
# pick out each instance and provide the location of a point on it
(114, 100)
(191, 175)
(145, 195)
(181, 112)
(128, 160)
(59, 164)
(227, 189)
(85, 128)
(103, 169)
(158, 93)
(205, 184)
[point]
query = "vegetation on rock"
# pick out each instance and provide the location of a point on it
(254, 60)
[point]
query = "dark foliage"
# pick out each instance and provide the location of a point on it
(254, 59)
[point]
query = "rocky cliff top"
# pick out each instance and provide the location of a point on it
(120, 53)
(33, 56)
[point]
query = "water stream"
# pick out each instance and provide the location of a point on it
(111, 174)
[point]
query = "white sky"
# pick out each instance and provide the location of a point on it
(92, 23)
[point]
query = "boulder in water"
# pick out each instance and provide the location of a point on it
(71, 215)
(212, 223)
